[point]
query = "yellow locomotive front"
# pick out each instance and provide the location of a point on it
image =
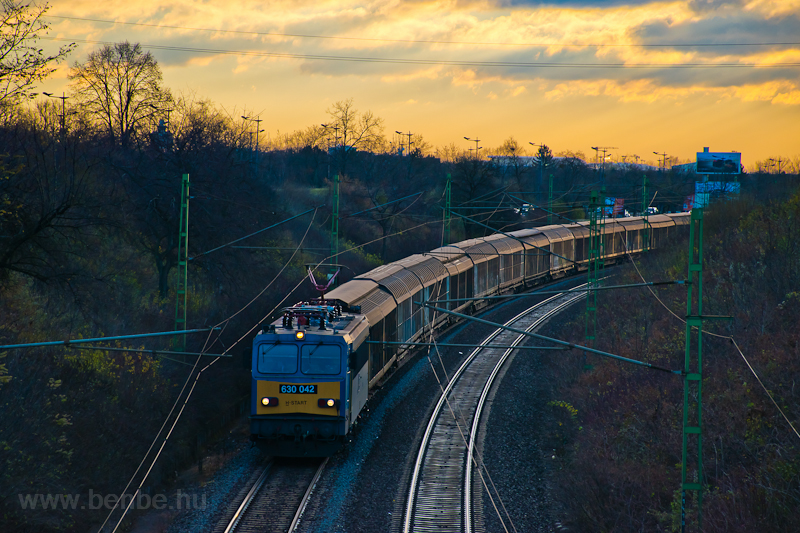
(306, 384)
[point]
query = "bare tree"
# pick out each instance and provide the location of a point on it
(22, 63)
(46, 207)
(120, 86)
(512, 163)
(352, 131)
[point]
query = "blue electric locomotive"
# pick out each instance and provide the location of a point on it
(309, 379)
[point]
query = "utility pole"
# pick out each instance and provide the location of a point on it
(335, 220)
(605, 150)
(778, 161)
(596, 252)
(63, 116)
(663, 162)
(63, 124)
(541, 165)
(476, 141)
(408, 149)
(645, 212)
(447, 208)
(258, 122)
(550, 201)
(408, 146)
(692, 478)
(335, 144)
(181, 289)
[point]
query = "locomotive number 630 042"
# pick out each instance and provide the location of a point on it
(298, 389)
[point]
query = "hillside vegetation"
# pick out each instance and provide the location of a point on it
(619, 442)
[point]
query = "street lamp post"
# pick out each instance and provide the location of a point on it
(776, 162)
(476, 141)
(663, 161)
(258, 122)
(408, 146)
(408, 150)
(541, 164)
(63, 116)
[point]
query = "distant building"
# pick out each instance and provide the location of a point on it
(688, 168)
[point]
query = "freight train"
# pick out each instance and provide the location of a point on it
(313, 368)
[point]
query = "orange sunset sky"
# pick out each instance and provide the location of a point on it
(642, 76)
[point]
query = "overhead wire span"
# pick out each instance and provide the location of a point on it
(381, 205)
(256, 232)
(536, 293)
(191, 391)
(728, 337)
(142, 350)
(524, 243)
(70, 342)
(147, 453)
(423, 41)
(771, 398)
(555, 341)
(442, 62)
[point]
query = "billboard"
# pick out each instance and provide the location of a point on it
(719, 162)
(615, 207)
(706, 192)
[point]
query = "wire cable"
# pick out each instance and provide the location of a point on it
(763, 387)
(424, 41)
(729, 337)
(440, 62)
(152, 444)
(189, 394)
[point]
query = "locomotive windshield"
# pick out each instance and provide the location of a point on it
(279, 358)
(321, 359)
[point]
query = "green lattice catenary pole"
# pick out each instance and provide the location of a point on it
(595, 260)
(181, 291)
(550, 200)
(692, 455)
(447, 206)
(646, 230)
(335, 221)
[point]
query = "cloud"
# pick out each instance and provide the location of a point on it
(591, 35)
(651, 91)
(741, 27)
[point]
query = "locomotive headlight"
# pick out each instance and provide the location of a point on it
(330, 402)
(269, 402)
(300, 334)
(327, 402)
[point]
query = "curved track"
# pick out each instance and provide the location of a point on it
(440, 493)
(276, 501)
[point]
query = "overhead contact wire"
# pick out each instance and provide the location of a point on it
(224, 324)
(730, 338)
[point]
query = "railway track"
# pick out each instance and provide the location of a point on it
(276, 500)
(440, 493)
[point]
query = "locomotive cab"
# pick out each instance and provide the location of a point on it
(308, 381)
